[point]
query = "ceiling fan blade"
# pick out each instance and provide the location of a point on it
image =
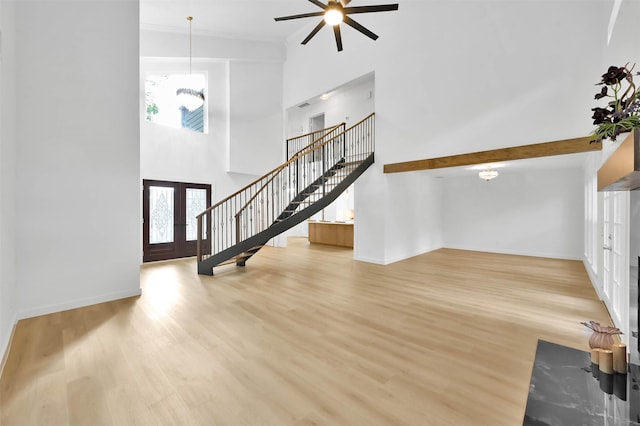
(304, 15)
(319, 4)
(314, 32)
(360, 28)
(336, 31)
(345, 2)
(367, 9)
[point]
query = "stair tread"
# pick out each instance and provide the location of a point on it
(227, 262)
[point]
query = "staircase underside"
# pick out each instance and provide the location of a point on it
(240, 252)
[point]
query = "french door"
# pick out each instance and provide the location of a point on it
(615, 274)
(169, 212)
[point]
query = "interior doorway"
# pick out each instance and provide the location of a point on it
(316, 122)
(169, 212)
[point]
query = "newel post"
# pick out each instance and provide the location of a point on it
(237, 228)
(199, 242)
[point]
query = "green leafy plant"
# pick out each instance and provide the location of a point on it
(621, 113)
(152, 109)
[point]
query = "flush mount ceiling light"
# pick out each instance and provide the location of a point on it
(335, 12)
(191, 96)
(488, 174)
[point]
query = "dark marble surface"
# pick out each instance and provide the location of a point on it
(567, 390)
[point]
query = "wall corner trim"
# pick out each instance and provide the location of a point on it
(7, 348)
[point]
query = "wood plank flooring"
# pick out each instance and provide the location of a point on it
(303, 336)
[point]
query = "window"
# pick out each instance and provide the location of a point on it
(162, 105)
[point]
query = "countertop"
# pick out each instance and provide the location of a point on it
(566, 389)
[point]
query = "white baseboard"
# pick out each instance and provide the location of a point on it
(509, 252)
(78, 303)
(368, 260)
(396, 258)
(410, 255)
(593, 279)
(562, 256)
(7, 347)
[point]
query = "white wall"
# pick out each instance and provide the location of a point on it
(514, 73)
(624, 45)
(370, 207)
(397, 216)
(183, 155)
(415, 207)
(77, 160)
(160, 44)
(533, 213)
(349, 103)
(245, 113)
(256, 139)
(8, 310)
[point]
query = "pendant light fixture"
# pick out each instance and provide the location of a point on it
(191, 96)
(488, 174)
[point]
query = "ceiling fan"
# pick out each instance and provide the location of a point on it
(335, 12)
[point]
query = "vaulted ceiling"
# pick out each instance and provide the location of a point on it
(245, 19)
(254, 20)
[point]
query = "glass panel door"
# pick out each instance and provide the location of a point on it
(196, 200)
(169, 210)
(606, 244)
(615, 244)
(620, 260)
(161, 214)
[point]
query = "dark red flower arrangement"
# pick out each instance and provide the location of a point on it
(621, 112)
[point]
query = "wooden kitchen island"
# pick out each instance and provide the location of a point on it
(332, 233)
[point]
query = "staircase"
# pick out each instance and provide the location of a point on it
(315, 174)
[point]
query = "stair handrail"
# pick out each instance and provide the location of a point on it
(309, 151)
(300, 154)
(314, 139)
(208, 209)
(220, 223)
(273, 173)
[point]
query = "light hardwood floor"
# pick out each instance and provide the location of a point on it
(302, 336)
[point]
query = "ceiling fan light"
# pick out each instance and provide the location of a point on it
(334, 13)
(333, 16)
